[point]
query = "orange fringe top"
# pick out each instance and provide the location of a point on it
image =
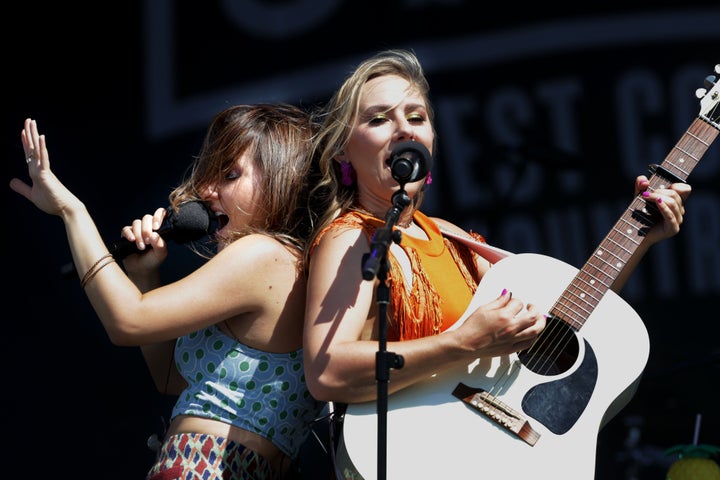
(445, 277)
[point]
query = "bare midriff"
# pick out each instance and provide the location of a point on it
(253, 441)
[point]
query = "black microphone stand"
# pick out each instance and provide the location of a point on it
(375, 264)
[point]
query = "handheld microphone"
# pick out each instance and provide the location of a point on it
(191, 222)
(410, 161)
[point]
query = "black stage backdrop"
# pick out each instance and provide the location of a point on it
(545, 114)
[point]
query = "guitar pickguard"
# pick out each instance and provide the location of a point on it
(560, 403)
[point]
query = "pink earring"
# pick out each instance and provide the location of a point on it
(348, 173)
(428, 179)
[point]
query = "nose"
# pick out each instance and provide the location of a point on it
(208, 192)
(404, 130)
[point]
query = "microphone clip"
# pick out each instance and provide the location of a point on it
(380, 242)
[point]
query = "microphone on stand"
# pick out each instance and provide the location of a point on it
(410, 161)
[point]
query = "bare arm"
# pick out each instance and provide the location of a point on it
(209, 295)
(143, 270)
(340, 355)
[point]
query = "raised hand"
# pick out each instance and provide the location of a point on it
(46, 191)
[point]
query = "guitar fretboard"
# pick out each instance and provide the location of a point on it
(600, 271)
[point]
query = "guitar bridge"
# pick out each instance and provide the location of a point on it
(498, 412)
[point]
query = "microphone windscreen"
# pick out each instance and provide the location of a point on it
(192, 221)
(410, 161)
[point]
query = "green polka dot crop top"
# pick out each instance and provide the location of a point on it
(258, 391)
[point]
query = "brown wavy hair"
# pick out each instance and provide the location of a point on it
(279, 139)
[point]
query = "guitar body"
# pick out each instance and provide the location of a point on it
(432, 433)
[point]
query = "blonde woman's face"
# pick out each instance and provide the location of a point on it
(390, 112)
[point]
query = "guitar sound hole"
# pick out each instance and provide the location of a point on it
(555, 350)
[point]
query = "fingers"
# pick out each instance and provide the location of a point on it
(529, 323)
(31, 133)
(670, 203)
(28, 140)
(127, 233)
(143, 231)
(31, 145)
(682, 189)
(506, 302)
(34, 144)
(21, 187)
(525, 321)
(150, 226)
(641, 184)
(526, 324)
(158, 218)
(538, 320)
(503, 326)
(24, 136)
(44, 158)
(677, 191)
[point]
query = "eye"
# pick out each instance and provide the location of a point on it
(232, 175)
(416, 118)
(378, 119)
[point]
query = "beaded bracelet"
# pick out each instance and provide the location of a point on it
(94, 269)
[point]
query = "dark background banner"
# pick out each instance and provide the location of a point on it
(545, 114)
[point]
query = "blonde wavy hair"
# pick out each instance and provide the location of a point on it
(338, 117)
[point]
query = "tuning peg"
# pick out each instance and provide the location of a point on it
(700, 92)
(710, 81)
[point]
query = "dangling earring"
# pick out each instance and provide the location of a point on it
(428, 181)
(348, 173)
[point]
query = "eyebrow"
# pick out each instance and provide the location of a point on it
(385, 108)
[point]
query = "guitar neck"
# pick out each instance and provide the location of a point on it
(600, 271)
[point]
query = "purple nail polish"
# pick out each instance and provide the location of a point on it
(503, 292)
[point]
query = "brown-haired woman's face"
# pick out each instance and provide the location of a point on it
(234, 198)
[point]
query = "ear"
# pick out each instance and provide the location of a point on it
(340, 157)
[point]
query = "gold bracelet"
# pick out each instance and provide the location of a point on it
(92, 271)
(92, 275)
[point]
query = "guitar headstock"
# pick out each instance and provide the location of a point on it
(709, 98)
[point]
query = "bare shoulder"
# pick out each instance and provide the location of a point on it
(447, 225)
(250, 267)
(258, 251)
(341, 240)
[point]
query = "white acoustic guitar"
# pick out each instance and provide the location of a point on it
(535, 414)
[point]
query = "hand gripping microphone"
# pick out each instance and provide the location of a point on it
(191, 222)
(410, 161)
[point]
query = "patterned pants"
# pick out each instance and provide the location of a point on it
(198, 456)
